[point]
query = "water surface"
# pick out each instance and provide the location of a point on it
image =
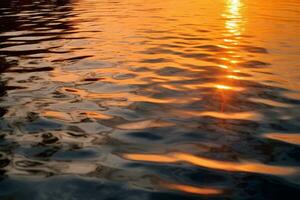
(149, 100)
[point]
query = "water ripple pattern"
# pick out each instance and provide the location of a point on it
(149, 100)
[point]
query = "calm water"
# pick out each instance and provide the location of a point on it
(149, 100)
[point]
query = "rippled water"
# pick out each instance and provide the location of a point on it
(132, 99)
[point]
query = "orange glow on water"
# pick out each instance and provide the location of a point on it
(227, 87)
(101, 78)
(57, 115)
(224, 66)
(244, 166)
(233, 15)
(223, 87)
(291, 138)
(192, 189)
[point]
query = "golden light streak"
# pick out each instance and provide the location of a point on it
(243, 166)
(288, 138)
(223, 87)
(192, 189)
(233, 15)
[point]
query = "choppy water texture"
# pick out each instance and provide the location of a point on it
(149, 100)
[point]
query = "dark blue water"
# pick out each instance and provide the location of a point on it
(149, 100)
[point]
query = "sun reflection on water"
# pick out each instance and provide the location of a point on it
(233, 15)
(233, 29)
(233, 24)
